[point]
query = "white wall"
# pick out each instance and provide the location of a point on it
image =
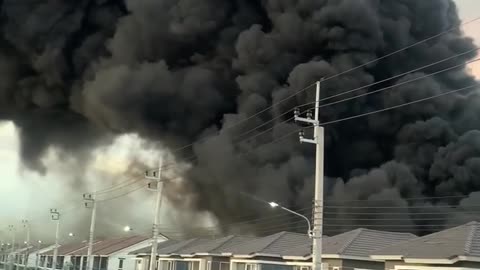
(129, 263)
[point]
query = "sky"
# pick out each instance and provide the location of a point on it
(469, 9)
(28, 195)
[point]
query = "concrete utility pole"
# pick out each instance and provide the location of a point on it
(90, 203)
(37, 254)
(56, 218)
(11, 228)
(157, 177)
(26, 225)
(318, 140)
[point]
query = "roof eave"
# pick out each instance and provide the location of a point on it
(430, 261)
(295, 258)
(387, 257)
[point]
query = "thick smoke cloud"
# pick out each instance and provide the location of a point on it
(76, 73)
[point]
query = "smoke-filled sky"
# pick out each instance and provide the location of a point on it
(94, 91)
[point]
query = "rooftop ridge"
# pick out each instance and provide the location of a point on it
(222, 243)
(389, 232)
(429, 236)
(280, 234)
(356, 232)
(470, 237)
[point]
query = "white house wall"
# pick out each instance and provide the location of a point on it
(129, 263)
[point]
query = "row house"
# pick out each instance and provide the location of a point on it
(280, 251)
(108, 254)
(457, 248)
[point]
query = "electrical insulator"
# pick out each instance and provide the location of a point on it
(309, 114)
(301, 135)
(296, 112)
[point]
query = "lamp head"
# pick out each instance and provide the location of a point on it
(273, 204)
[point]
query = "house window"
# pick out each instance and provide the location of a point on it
(276, 267)
(120, 263)
(194, 266)
(103, 263)
(251, 266)
(171, 265)
(224, 266)
(182, 265)
(60, 260)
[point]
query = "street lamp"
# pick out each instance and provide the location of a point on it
(275, 205)
(71, 234)
(127, 229)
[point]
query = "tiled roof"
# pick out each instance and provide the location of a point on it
(361, 242)
(216, 246)
(179, 246)
(109, 246)
(67, 249)
(459, 241)
(276, 244)
(147, 250)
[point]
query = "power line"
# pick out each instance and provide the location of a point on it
(401, 207)
(352, 90)
(399, 106)
(401, 213)
(398, 84)
(401, 74)
(115, 187)
(210, 136)
(404, 48)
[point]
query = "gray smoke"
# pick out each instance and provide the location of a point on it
(76, 73)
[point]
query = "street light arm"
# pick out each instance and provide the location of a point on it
(302, 216)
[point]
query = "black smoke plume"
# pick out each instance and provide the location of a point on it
(76, 72)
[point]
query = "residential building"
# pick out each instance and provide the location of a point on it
(452, 249)
(351, 250)
(192, 254)
(280, 251)
(142, 256)
(110, 254)
(267, 253)
(63, 255)
(34, 254)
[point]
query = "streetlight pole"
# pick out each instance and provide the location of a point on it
(309, 232)
(90, 203)
(11, 228)
(318, 140)
(26, 225)
(56, 218)
(157, 177)
(37, 254)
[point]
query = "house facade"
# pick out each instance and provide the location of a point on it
(457, 248)
(281, 251)
(351, 250)
(109, 254)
